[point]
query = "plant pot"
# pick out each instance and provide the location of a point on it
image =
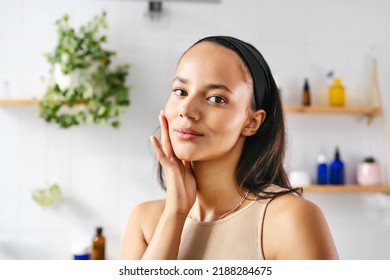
(62, 80)
(368, 174)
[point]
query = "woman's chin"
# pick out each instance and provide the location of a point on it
(185, 155)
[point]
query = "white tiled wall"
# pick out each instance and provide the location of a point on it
(103, 173)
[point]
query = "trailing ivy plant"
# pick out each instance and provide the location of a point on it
(83, 88)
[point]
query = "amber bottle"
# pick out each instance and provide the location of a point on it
(306, 94)
(98, 245)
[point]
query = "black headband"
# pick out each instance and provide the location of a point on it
(255, 62)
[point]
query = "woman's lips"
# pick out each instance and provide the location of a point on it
(186, 133)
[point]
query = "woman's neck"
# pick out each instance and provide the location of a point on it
(217, 187)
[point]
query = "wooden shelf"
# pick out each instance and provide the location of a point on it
(369, 111)
(346, 188)
(19, 102)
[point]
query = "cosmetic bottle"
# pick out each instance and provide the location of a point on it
(306, 100)
(322, 171)
(336, 170)
(98, 245)
(337, 93)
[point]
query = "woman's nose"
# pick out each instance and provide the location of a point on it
(189, 109)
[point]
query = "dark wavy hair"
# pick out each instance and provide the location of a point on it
(262, 157)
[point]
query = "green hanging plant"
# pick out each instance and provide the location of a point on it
(82, 87)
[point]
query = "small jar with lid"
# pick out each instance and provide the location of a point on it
(81, 251)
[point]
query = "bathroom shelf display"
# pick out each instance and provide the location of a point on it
(370, 111)
(346, 188)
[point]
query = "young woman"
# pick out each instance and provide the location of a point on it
(221, 160)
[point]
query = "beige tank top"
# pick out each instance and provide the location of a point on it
(235, 237)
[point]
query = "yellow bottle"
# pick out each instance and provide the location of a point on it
(337, 93)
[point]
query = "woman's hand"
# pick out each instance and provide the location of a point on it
(179, 179)
(158, 237)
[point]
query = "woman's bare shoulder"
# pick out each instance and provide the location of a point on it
(150, 206)
(296, 228)
(144, 218)
(140, 227)
(149, 212)
(286, 205)
(291, 212)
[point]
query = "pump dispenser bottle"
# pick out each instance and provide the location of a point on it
(336, 170)
(98, 245)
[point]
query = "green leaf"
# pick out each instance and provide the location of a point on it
(115, 124)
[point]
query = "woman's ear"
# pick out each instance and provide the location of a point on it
(253, 123)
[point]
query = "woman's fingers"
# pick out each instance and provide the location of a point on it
(163, 148)
(187, 166)
(161, 156)
(165, 140)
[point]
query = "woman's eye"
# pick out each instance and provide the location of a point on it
(217, 99)
(179, 92)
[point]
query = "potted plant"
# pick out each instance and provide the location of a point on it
(83, 87)
(368, 172)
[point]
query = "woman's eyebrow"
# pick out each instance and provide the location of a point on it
(219, 86)
(208, 86)
(180, 79)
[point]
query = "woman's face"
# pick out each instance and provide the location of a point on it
(209, 104)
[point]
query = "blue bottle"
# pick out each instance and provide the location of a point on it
(336, 170)
(322, 171)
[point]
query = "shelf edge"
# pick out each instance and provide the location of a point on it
(19, 102)
(358, 110)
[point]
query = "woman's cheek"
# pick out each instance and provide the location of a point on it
(169, 107)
